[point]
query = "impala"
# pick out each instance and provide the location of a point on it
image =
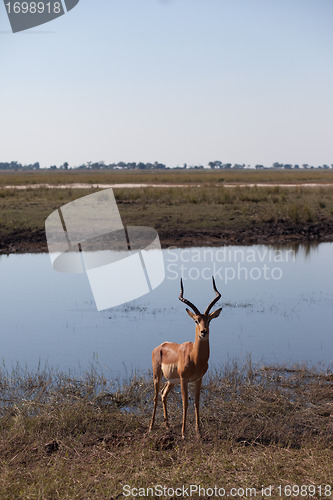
(184, 363)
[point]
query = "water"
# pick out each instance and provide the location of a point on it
(277, 307)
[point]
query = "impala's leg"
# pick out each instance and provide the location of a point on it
(165, 392)
(183, 385)
(157, 383)
(197, 389)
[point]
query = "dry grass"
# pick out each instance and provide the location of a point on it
(166, 177)
(65, 436)
(207, 215)
(212, 214)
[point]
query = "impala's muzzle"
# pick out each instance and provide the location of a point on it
(203, 334)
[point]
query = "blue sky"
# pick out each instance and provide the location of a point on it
(247, 81)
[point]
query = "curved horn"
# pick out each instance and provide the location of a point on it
(208, 308)
(185, 300)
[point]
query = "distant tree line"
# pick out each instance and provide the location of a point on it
(121, 165)
(216, 165)
(14, 165)
(213, 165)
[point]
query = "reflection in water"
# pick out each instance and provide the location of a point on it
(277, 306)
(305, 248)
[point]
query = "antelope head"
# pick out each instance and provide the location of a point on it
(202, 320)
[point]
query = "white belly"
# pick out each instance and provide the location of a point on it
(170, 372)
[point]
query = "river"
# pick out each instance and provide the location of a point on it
(277, 308)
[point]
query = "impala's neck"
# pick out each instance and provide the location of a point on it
(200, 347)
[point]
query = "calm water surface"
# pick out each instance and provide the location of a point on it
(277, 307)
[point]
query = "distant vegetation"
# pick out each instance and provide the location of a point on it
(188, 208)
(213, 165)
(14, 165)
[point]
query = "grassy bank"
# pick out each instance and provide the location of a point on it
(84, 437)
(207, 215)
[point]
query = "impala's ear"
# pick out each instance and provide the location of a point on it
(215, 314)
(190, 313)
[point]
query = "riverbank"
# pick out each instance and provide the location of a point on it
(65, 436)
(267, 234)
(191, 216)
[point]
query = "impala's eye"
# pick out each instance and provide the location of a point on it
(197, 322)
